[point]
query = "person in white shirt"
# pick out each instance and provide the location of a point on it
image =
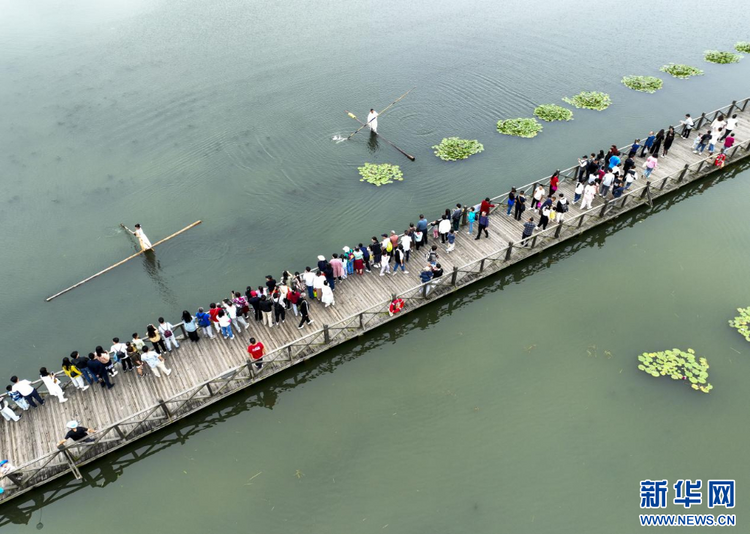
(731, 125)
(318, 285)
(7, 411)
(372, 120)
(309, 278)
(236, 319)
(155, 362)
(443, 228)
(606, 183)
(142, 239)
(52, 384)
(687, 126)
(538, 196)
(406, 243)
(327, 294)
(27, 390)
(630, 178)
(120, 350)
(385, 264)
(225, 323)
(589, 192)
(167, 333)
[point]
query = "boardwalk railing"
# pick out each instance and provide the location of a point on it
(68, 457)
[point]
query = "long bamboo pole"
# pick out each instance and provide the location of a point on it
(353, 116)
(196, 223)
(389, 106)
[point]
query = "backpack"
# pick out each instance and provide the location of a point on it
(389, 246)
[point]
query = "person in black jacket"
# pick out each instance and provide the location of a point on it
(304, 310)
(82, 363)
(254, 302)
(100, 371)
(266, 308)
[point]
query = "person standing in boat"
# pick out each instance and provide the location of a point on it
(142, 239)
(372, 120)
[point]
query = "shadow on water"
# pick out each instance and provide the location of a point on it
(264, 395)
(153, 268)
(372, 142)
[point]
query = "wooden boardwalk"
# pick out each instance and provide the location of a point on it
(212, 369)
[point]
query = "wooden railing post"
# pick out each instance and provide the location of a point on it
(454, 276)
(700, 121)
(250, 368)
(464, 216)
(509, 251)
(744, 105)
(164, 408)
(645, 189)
(580, 221)
(604, 208)
(683, 173)
(362, 321)
(731, 108)
(481, 265)
(210, 389)
(663, 183)
(326, 334)
(734, 151)
(700, 167)
(184, 332)
(120, 432)
(624, 201)
(289, 352)
(533, 241)
(70, 461)
(559, 229)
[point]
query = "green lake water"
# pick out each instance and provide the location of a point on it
(516, 405)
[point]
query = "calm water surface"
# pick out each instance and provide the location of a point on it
(515, 407)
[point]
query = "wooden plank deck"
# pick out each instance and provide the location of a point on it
(211, 369)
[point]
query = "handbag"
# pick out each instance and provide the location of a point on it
(167, 333)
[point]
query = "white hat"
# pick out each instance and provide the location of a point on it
(72, 425)
(321, 258)
(346, 249)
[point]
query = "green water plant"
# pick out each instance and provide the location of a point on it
(723, 58)
(678, 365)
(742, 46)
(553, 112)
(453, 148)
(380, 174)
(679, 70)
(742, 322)
(645, 84)
(519, 127)
(590, 100)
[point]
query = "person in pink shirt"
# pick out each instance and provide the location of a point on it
(651, 163)
(728, 142)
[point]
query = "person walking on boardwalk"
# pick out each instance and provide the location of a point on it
(327, 297)
(225, 323)
(17, 398)
(266, 307)
(143, 241)
(191, 326)
(293, 298)
(589, 193)
(484, 222)
(728, 142)
(204, 321)
(656, 146)
(74, 374)
(77, 433)
(405, 242)
(511, 201)
(578, 192)
(528, 231)
(730, 126)
(451, 241)
(372, 120)
(309, 277)
(7, 411)
(29, 392)
(119, 349)
(443, 228)
(701, 142)
(52, 384)
(562, 207)
(456, 217)
(687, 126)
(651, 163)
(538, 196)
(432, 255)
(520, 206)
(82, 364)
(255, 352)
(100, 371)
(554, 182)
(668, 140)
(712, 140)
(304, 311)
(385, 261)
(399, 260)
(155, 338)
(607, 180)
(155, 362)
(648, 143)
(235, 316)
(544, 217)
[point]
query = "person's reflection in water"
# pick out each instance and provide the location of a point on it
(153, 268)
(372, 143)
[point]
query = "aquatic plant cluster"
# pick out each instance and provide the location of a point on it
(723, 58)
(645, 84)
(553, 112)
(742, 322)
(590, 100)
(678, 365)
(519, 127)
(679, 70)
(742, 46)
(453, 148)
(381, 174)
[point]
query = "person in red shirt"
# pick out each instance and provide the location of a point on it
(485, 206)
(256, 350)
(553, 183)
(213, 313)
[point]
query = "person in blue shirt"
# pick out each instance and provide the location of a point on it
(204, 321)
(648, 143)
(425, 276)
(422, 227)
(451, 240)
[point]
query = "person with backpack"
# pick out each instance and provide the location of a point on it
(561, 207)
(387, 247)
(432, 255)
(400, 260)
(204, 322)
(304, 310)
(17, 398)
(82, 364)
